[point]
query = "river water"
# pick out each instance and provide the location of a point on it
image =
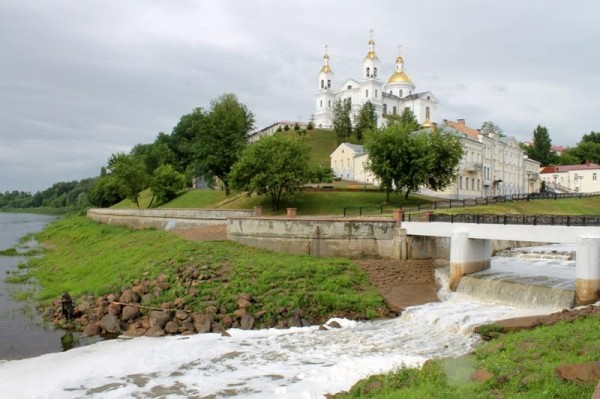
(22, 331)
(294, 363)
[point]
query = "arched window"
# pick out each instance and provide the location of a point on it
(384, 109)
(322, 83)
(329, 104)
(375, 72)
(368, 71)
(394, 110)
(427, 116)
(328, 83)
(367, 93)
(320, 103)
(400, 92)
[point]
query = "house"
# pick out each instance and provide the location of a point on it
(572, 178)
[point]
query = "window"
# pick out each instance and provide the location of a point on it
(400, 92)
(384, 109)
(375, 93)
(367, 93)
(394, 110)
(594, 176)
(329, 104)
(320, 103)
(368, 71)
(461, 182)
(349, 87)
(478, 185)
(427, 116)
(329, 83)
(322, 83)
(375, 72)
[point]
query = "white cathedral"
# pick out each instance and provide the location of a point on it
(388, 98)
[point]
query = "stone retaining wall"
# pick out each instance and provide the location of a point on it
(320, 237)
(165, 219)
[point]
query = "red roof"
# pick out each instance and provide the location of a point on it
(463, 128)
(567, 168)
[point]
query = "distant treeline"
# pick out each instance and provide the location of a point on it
(72, 194)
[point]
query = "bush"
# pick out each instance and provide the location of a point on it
(310, 126)
(286, 128)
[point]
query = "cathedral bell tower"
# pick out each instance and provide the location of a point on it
(325, 97)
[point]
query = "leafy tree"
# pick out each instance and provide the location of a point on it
(366, 120)
(399, 157)
(155, 154)
(541, 150)
(569, 157)
(279, 129)
(446, 152)
(166, 183)
(106, 192)
(407, 120)
(490, 127)
(591, 137)
(587, 151)
(286, 128)
(342, 125)
(184, 137)
(296, 126)
(222, 138)
(321, 174)
(310, 126)
(274, 165)
(130, 173)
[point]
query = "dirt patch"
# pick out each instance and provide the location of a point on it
(208, 233)
(402, 283)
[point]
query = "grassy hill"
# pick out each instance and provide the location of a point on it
(322, 143)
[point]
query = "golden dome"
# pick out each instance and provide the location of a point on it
(427, 124)
(399, 60)
(325, 69)
(371, 55)
(399, 77)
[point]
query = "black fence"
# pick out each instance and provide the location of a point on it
(363, 210)
(535, 220)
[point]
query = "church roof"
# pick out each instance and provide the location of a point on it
(357, 148)
(463, 128)
(399, 77)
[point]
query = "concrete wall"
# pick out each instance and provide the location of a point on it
(165, 219)
(321, 237)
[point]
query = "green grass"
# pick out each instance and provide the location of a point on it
(567, 206)
(144, 201)
(511, 358)
(91, 258)
(321, 142)
(197, 199)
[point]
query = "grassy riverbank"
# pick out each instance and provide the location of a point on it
(83, 257)
(515, 365)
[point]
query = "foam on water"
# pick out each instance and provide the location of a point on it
(295, 363)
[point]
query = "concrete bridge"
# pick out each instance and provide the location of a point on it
(471, 250)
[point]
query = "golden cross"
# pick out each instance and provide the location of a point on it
(371, 31)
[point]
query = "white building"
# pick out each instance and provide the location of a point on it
(388, 98)
(572, 178)
(490, 165)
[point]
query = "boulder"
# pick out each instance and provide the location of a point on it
(171, 327)
(181, 315)
(334, 324)
(246, 322)
(92, 329)
(167, 305)
(114, 309)
(186, 326)
(238, 313)
(227, 321)
(202, 323)
(129, 296)
(243, 303)
(179, 303)
(110, 324)
(130, 312)
(583, 372)
(295, 321)
(260, 314)
(155, 331)
(159, 318)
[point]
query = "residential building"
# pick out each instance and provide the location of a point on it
(572, 178)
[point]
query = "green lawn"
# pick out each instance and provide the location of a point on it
(322, 143)
(522, 365)
(87, 257)
(567, 206)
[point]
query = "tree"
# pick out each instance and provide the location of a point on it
(365, 120)
(106, 191)
(274, 165)
(296, 126)
(221, 140)
(130, 173)
(321, 174)
(185, 136)
(407, 120)
(342, 125)
(541, 150)
(446, 152)
(399, 157)
(310, 126)
(166, 183)
(591, 137)
(490, 127)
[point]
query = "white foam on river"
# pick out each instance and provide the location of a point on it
(294, 363)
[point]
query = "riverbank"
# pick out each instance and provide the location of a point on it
(149, 282)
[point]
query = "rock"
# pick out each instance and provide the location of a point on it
(110, 324)
(334, 324)
(227, 321)
(159, 318)
(181, 315)
(282, 310)
(245, 296)
(596, 394)
(171, 327)
(246, 322)
(167, 305)
(295, 321)
(323, 328)
(139, 289)
(583, 372)
(531, 379)
(491, 348)
(260, 314)
(212, 309)
(243, 303)
(305, 322)
(481, 375)
(179, 303)
(155, 331)
(146, 299)
(216, 327)
(202, 323)
(225, 334)
(298, 312)
(114, 309)
(186, 326)
(372, 387)
(92, 329)
(111, 298)
(130, 312)
(128, 296)
(238, 313)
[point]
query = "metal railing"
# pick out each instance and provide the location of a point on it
(535, 220)
(363, 210)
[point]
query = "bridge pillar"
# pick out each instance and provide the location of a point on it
(587, 272)
(467, 255)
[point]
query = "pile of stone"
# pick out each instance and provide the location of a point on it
(129, 312)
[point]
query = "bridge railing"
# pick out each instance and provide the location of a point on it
(541, 220)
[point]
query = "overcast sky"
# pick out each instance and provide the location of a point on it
(80, 80)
